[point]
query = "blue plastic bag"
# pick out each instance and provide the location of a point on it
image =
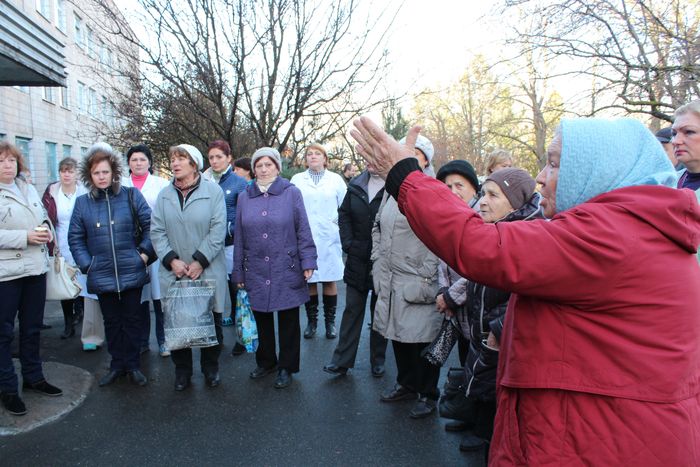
(246, 328)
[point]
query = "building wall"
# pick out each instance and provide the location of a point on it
(66, 121)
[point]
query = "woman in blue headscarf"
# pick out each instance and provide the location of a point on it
(600, 351)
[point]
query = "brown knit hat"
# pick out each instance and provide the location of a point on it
(517, 185)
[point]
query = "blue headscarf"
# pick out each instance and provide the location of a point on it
(601, 155)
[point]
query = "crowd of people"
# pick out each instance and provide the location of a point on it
(572, 305)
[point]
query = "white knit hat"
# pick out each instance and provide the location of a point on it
(425, 146)
(194, 154)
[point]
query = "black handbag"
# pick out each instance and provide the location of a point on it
(439, 350)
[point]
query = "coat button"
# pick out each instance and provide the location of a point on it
(267, 258)
(267, 282)
(266, 195)
(19, 255)
(264, 235)
(264, 213)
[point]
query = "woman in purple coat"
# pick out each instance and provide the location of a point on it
(274, 256)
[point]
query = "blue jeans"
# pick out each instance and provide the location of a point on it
(24, 298)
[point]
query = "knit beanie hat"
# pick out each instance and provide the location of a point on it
(517, 185)
(425, 146)
(459, 167)
(272, 153)
(600, 155)
(194, 154)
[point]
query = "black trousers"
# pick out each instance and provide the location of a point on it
(351, 329)
(23, 298)
(208, 356)
(414, 372)
(123, 318)
(290, 339)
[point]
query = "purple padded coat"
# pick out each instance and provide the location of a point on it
(273, 246)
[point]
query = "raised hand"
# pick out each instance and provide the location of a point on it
(378, 148)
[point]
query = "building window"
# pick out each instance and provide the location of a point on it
(65, 103)
(44, 7)
(90, 43)
(24, 89)
(67, 149)
(82, 98)
(49, 95)
(23, 146)
(2, 136)
(83, 151)
(93, 103)
(61, 23)
(51, 162)
(79, 32)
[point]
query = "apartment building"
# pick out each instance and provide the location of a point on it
(48, 123)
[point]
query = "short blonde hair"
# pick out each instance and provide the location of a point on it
(320, 148)
(497, 156)
(690, 107)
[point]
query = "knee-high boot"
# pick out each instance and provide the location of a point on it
(312, 316)
(68, 319)
(330, 302)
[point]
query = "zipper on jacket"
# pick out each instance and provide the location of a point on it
(471, 380)
(111, 238)
(481, 313)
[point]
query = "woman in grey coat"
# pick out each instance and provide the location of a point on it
(274, 257)
(405, 279)
(188, 228)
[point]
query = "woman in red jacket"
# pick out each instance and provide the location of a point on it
(600, 351)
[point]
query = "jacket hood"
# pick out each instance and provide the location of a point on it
(674, 213)
(115, 163)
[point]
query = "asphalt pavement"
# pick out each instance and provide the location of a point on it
(319, 420)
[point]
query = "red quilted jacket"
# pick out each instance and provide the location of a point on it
(607, 309)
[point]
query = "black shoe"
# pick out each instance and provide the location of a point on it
(43, 387)
(68, 331)
(334, 369)
(456, 425)
(110, 377)
(398, 393)
(43, 327)
(144, 349)
(330, 330)
(138, 378)
(471, 443)
(259, 372)
(284, 379)
(212, 379)
(310, 330)
(238, 349)
(423, 408)
(182, 382)
(378, 371)
(13, 403)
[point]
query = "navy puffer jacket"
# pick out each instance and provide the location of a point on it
(102, 239)
(232, 185)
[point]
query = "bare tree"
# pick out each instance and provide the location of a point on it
(272, 72)
(641, 56)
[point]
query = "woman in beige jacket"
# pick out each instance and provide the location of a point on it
(405, 280)
(23, 264)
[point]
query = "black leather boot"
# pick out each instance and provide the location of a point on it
(312, 316)
(68, 321)
(329, 305)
